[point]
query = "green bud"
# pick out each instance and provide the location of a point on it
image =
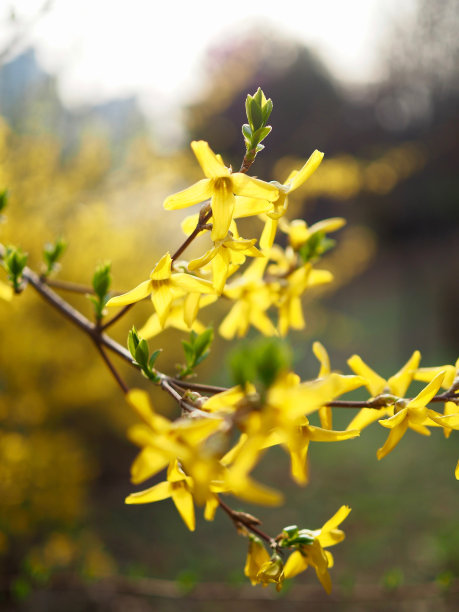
(15, 260)
(101, 280)
(133, 341)
(52, 253)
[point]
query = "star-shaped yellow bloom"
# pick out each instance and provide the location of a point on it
(178, 486)
(225, 253)
(221, 185)
(314, 553)
(413, 415)
(164, 286)
(396, 385)
(253, 298)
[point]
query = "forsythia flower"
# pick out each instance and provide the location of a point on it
(272, 571)
(178, 486)
(395, 385)
(314, 553)
(257, 556)
(164, 286)
(253, 298)
(224, 253)
(220, 185)
(414, 415)
(279, 208)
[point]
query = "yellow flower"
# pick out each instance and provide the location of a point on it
(279, 207)
(220, 185)
(178, 486)
(428, 374)
(396, 385)
(257, 556)
(299, 232)
(413, 415)
(176, 317)
(164, 286)
(314, 553)
(290, 291)
(272, 571)
(226, 252)
(253, 298)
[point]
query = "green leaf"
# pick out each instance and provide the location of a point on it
(257, 117)
(141, 353)
(203, 341)
(261, 133)
(153, 357)
(247, 131)
(133, 341)
(102, 279)
(267, 109)
(317, 245)
(189, 353)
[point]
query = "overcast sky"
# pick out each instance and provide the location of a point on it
(108, 48)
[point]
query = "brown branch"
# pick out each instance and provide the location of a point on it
(118, 316)
(67, 285)
(111, 367)
(186, 384)
(239, 518)
(204, 215)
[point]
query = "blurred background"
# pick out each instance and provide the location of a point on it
(98, 104)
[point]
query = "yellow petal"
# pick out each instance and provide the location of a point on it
(365, 417)
(199, 192)
(162, 270)
(374, 383)
(162, 299)
(456, 472)
(183, 501)
(395, 420)
(394, 437)
(135, 295)
(140, 401)
(211, 164)
(268, 234)
(222, 208)
(220, 267)
(187, 283)
(231, 322)
(399, 383)
(248, 207)
(307, 170)
(153, 494)
(327, 225)
(317, 434)
(147, 463)
(335, 521)
(204, 259)
(319, 351)
(250, 187)
(211, 508)
(191, 308)
(296, 563)
(423, 398)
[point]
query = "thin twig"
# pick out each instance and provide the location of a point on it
(186, 384)
(239, 517)
(204, 215)
(118, 316)
(112, 368)
(67, 285)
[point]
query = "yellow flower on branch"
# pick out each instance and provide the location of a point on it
(280, 204)
(178, 486)
(221, 185)
(314, 554)
(225, 253)
(413, 415)
(257, 556)
(396, 385)
(164, 286)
